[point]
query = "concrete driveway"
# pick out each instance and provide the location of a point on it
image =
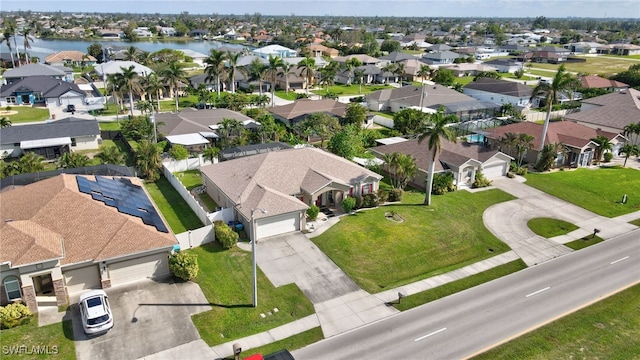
(149, 317)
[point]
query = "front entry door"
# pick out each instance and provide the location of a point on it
(43, 285)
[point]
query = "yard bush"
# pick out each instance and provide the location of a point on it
(383, 196)
(224, 234)
(348, 204)
(184, 265)
(442, 184)
(359, 202)
(522, 171)
(395, 195)
(313, 212)
(179, 152)
(480, 181)
(608, 157)
(369, 200)
(14, 315)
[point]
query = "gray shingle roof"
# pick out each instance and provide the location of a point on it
(35, 70)
(396, 56)
(190, 121)
(496, 86)
(48, 86)
(69, 127)
(615, 110)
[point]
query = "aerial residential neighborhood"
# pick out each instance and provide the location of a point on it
(193, 184)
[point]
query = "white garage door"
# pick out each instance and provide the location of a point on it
(277, 225)
(146, 267)
(82, 279)
(492, 171)
(616, 149)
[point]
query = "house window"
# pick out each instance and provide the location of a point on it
(11, 100)
(367, 189)
(12, 288)
(37, 96)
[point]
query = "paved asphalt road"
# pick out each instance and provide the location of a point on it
(479, 318)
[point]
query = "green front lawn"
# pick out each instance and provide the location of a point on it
(26, 114)
(635, 222)
(344, 90)
(609, 329)
(464, 80)
(190, 179)
(548, 228)
(597, 190)
(227, 282)
(175, 210)
(55, 338)
(291, 343)
(111, 125)
(380, 254)
(291, 96)
(584, 242)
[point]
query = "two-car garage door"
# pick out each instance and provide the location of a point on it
(494, 170)
(146, 267)
(276, 225)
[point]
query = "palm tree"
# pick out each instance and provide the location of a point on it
(173, 74)
(562, 82)
(308, 67)
(7, 34)
(152, 85)
(117, 86)
(399, 71)
(350, 66)
(30, 162)
(275, 63)
(523, 143)
(286, 69)
(629, 150)
(131, 53)
(232, 64)
(131, 84)
(144, 106)
(632, 132)
(148, 160)
(111, 155)
(211, 153)
(391, 160)
(423, 72)
(214, 67)
(328, 74)
(389, 68)
(407, 169)
(27, 40)
(257, 70)
(435, 130)
(73, 160)
(604, 144)
(358, 77)
(5, 122)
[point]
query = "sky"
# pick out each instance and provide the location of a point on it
(398, 8)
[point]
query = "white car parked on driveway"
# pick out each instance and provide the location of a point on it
(95, 312)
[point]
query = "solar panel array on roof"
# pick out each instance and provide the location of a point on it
(122, 194)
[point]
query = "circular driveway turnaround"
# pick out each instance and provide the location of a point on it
(508, 221)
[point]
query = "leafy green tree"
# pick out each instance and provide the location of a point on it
(480, 181)
(390, 46)
(312, 212)
(444, 77)
(184, 265)
(96, 51)
(111, 155)
(409, 121)
(346, 143)
(350, 65)
(225, 234)
(348, 204)
(562, 82)
(30, 162)
(137, 128)
(355, 114)
(434, 132)
(71, 160)
(178, 152)
(324, 125)
(9, 168)
(443, 183)
(148, 160)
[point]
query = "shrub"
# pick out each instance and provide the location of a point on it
(359, 202)
(511, 175)
(179, 152)
(522, 171)
(395, 195)
(608, 157)
(301, 96)
(313, 212)
(348, 204)
(370, 200)
(14, 315)
(480, 181)
(184, 265)
(442, 183)
(383, 196)
(8, 108)
(224, 234)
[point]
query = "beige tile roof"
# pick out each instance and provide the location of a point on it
(68, 55)
(615, 110)
(307, 106)
(254, 180)
(191, 121)
(91, 230)
(595, 81)
(30, 243)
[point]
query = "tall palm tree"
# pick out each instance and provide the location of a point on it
(27, 40)
(7, 34)
(232, 65)
(358, 78)
(275, 63)
(257, 70)
(308, 67)
(398, 70)
(130, 81)
(173, 74)
(389, 68)
(117, 87)
(286, 69)
(131, 53)
(214, 67)
(391, 161)
(632, 133)
(523, 143)
(152, 85)
(5, 122)
(328, 74)
(423, 72)
(350, 65)
(604, 144)
(148, 160)
(550, 92)
(629, 150)
(435, 130)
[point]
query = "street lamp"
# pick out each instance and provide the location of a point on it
(253, 254)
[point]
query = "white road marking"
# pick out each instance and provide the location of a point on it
(617, 261)
(433, 333)
(539, 291)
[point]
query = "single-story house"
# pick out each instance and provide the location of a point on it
(253, 149)
(275, 51)
(619, 49)
(597, 82)
(505, 65)
(467, 69)
(461, 159)
(609, 112)
(197, 57)
(70, 233)
(441, 57)
(500, 92)
(50, 140)
(576, 139)
(299, 110)
(116, 66)
(37, 69)
(363, 58)
(318, 50)
(284, 184)
(43, 91)
(70, 57)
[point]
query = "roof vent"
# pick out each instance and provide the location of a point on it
(8, 220)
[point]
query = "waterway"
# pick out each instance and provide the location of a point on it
(42, 48)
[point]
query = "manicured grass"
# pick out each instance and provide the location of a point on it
(540, 72)
(584, 242)
(58, 335)
(111, 125)
(385, 114)
(283, 95)
(593, 65)
(354, 89)
(208, 201)
(635, 222)
(598, 190)
(226, 279)
(609, 329)
(291, 343)
(174, 209)
(548, 227)
(27, 114)
(512, 76)
(190, 179)
(379, 254)
(464, 80)
(183, 102)
(445, 290)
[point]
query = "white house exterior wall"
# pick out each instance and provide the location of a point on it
(87, 142)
